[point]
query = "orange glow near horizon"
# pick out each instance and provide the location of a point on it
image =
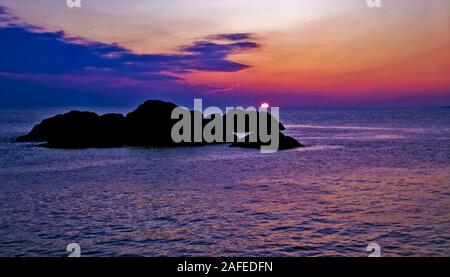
(389, 54)
(324, 47)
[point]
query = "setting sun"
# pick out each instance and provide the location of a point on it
(265, 105)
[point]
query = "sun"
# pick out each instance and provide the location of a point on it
(265, 105)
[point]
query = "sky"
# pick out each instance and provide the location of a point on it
(322, 53)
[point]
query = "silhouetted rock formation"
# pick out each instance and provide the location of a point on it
(148, 125)
(270, 120)
(78, 130)
(285, 142)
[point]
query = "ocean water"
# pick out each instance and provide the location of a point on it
(365, 176)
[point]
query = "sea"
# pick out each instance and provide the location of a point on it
(365, 176)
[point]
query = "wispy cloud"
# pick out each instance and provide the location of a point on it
(232, 37)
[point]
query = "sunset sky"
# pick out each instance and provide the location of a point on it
(289, 53)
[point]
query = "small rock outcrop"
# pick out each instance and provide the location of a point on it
(285, 142)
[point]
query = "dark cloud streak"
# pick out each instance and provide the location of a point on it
(232, 37)
(38, 67)
(25, 49)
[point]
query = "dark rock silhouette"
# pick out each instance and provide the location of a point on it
(285, 142)
(148, 125)
(79, 130)
(270, 120)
